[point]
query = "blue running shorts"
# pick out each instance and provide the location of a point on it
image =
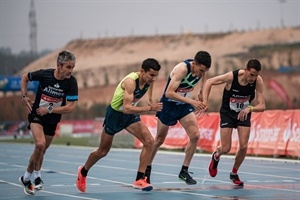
(172, 112)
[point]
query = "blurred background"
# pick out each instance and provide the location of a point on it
(112, 38)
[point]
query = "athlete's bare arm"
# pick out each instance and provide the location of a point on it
(68, 108)
(259, 96)
(26, 100)
(217, 80)
(178, 73)
(150, 93)
(202, 83)
(129, 86)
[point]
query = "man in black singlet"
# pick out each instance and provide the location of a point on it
(57, 94)
(241, 86)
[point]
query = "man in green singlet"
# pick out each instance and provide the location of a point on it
(122, 113)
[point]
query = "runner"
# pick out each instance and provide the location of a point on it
(56, 95)
(241, 87)
(122, 113)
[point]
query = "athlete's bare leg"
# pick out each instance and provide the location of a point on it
(40, 145)
(141, 132)
(243, 133)
(103, 149)
(190, 124)
(162, 131)
(49, 139)
(224, 148)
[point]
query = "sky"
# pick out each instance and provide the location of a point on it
(60, 21)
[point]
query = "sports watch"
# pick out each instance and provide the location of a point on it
(50, 109)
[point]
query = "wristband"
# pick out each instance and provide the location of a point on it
(251, 108)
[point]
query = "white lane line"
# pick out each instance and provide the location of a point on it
(54, 193)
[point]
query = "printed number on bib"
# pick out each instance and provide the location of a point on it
(238, 104)
(50, 101)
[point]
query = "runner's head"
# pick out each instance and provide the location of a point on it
(204, 58)
(65, 64)
(202, 62)
(253, 68)
(255, 64)
(149, 70)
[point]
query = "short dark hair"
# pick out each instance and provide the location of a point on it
(204, 58)
(255, 64)
(150, 63)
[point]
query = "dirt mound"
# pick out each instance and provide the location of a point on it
(102, 63)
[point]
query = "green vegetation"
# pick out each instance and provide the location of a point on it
(11, 63)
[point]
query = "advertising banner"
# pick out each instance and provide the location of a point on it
(13, 84)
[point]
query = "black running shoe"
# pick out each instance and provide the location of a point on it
(235, 179)
(27, 186)
(38, 183)
(185, 176)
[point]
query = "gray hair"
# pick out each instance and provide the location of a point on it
(65, 56)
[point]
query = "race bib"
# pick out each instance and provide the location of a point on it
(50, 101)
(238, 104)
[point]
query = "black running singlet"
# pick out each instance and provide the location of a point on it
(52, 92)
(238, 97)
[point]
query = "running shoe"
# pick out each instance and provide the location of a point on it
(142, 184)
(235, 179)
(185, 176)
(213, 166)
(80, 181)
(38, 183)
(27, 186)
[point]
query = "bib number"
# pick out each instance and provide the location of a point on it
(238, 104)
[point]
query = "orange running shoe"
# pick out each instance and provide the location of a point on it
(80, 181)
(142, 184)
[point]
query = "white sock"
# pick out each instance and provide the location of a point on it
(37, 174)
(26, 176)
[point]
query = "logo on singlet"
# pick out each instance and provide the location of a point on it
(56, 85)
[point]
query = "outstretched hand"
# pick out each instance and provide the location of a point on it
(198, 105)
(202, 112)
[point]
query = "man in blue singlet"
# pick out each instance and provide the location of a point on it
(241, 86)
(177, 106)
(57, 94)
(122, 113)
